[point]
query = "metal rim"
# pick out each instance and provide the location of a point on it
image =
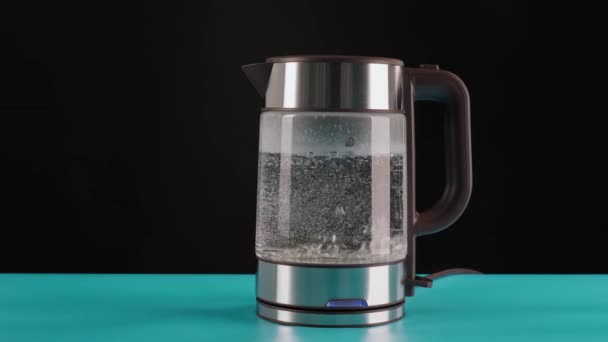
(287, 263)
(329, 326)
(334, 58)
(327, 319)
(337, 110)
(316, 309)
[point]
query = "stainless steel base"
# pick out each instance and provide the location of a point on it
(330, 295)
(330, 319)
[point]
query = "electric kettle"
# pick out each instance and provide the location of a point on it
(336, 220)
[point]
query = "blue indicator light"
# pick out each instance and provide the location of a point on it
(346, 303)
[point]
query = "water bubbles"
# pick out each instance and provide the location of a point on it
(339, 212)
(335, 249)
(365, 230)
(317, 207)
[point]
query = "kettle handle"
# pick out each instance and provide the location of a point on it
(428, 83)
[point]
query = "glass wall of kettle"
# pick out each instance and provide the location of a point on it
(331, 188)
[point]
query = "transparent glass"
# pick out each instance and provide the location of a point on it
(331, 188)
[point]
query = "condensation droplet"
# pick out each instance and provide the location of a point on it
(350, 141)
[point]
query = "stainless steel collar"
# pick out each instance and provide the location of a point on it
(335, 83)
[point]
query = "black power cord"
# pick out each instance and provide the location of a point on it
(427, 281)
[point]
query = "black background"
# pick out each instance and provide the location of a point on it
(129, 134)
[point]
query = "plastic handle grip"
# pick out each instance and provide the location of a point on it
(445, 87)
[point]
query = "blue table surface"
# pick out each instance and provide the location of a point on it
(89, 307)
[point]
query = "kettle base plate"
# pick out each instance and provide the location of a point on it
(326, 318)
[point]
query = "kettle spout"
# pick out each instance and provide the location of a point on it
(259, 75)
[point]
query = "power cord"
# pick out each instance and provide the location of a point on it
(427, 281)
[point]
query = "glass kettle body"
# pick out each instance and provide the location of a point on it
(335, 207)
(331, 188)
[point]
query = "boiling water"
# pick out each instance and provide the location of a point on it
(318, 209)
